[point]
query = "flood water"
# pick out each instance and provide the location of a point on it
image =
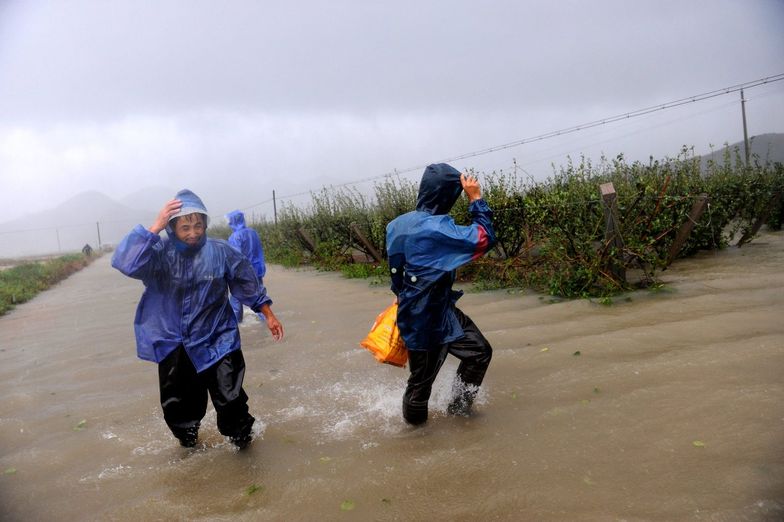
(665, 406)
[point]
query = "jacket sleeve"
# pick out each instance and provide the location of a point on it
(447, 246)
(482, 216)
(137, 255)
(263, 267)
(243, 282)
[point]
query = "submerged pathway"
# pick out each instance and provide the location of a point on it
(665, 406)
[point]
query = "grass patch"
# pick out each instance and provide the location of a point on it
(23, 282)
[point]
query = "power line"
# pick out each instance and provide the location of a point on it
(561, 132)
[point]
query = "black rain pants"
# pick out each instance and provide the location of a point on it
(474, 352)
(184, 395)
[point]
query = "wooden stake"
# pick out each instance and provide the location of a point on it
(369, 248)
(687, 226)
(612, 235)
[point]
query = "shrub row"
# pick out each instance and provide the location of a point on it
(551, 233)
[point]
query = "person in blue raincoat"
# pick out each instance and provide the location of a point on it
(184, 321)
(425, 247)
(247, 241)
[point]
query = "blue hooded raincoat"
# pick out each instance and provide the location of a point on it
(185, 300)
(425, 247)
(247, 241)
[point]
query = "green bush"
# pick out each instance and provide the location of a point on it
(551, 234)
(22, 282)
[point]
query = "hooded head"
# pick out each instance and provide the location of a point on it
(439, 189)
(191, 204)
(236, 220)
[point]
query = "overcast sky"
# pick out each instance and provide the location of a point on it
(236, 98)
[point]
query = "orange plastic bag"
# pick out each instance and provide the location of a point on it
(384, 340)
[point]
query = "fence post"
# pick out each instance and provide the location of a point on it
(612, 234)
(369, 248)
(275, 208)
(686, 227)
(761, 220)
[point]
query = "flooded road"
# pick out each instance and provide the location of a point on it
(665, 406)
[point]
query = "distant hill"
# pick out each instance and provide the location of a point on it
(149, 199)
(67, 227)
(765, 147)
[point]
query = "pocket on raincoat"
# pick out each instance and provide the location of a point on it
(384, 340)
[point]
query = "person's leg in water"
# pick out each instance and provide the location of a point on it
(474, 352)
(183, 396)
(224, 381)
(424, 366)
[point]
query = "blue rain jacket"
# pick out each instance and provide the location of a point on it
(425, 247)
(247, 241)
(185, 300)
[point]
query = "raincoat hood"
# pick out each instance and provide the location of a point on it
(439, 189)
(191, 204)
(236, 220)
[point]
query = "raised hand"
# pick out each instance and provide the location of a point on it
(471, 186)
(168, 210)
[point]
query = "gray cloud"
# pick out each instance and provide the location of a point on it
(244, 97)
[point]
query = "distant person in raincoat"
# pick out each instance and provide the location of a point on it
(184, 321)
(425, 247)
(247, 241)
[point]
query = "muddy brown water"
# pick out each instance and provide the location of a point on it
(673, 409)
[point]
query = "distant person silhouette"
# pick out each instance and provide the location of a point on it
(247, 241)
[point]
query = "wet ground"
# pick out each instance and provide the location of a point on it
(665, 406)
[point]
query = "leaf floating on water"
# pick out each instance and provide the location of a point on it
(347, 505)
(253, 488)
(9, 471)
(588, 481)
(585, 401)
(698, 444)
(577, 353)
(386, 500)
(514, 395)
(325, 459)
(80, 425)
(596, 390)
(545, 349)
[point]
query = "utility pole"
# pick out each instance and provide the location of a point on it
(274, 208)
(98, 226)
(745, 132)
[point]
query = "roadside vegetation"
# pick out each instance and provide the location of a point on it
(22, 282)
(551, 234)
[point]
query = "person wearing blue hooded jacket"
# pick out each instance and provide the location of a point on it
(425, 247)
(184, 321)
(247, 241)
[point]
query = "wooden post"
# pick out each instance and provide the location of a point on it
(369, 248)
(761, 220)
(306, 240)
(687, 226)
(746, 146)
(612, 235)
(275, 208)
